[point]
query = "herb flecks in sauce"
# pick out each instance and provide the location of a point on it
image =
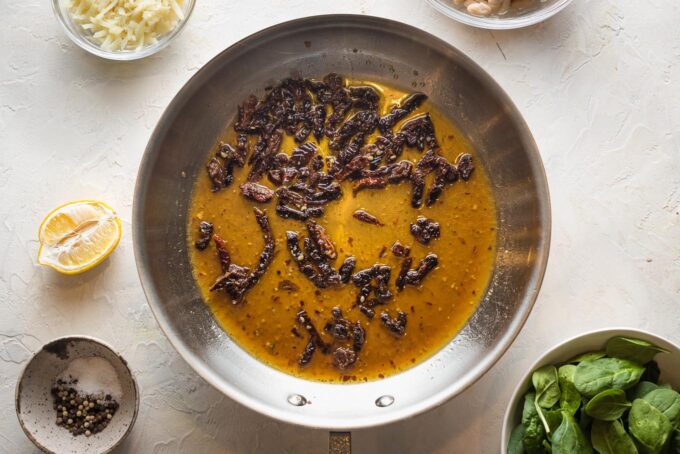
(314, 153)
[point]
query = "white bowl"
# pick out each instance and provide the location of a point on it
(543, 10)
(34, 400)
(594, 340)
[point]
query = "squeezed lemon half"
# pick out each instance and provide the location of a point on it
(77, 236)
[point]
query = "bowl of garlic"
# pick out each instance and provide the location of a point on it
(499, 14)
(122, 29)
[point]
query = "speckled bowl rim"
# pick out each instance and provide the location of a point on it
(520, 388)
(82, 337)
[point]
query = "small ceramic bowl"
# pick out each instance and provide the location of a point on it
(34, 403)
(528, 13)
(593, 340)
(84, 40)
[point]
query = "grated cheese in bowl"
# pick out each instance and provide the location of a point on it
(124, 25)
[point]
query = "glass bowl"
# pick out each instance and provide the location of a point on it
(530, 15)
(83, 38)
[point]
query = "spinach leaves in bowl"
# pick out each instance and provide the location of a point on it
(607, 401)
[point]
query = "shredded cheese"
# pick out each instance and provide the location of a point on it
(119, 25)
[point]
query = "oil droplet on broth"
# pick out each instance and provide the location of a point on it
(436, 310)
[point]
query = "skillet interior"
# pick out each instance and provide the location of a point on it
(357, 47)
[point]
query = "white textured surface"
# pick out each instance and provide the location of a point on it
(595, 84)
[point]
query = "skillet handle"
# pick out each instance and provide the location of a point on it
(340, 443)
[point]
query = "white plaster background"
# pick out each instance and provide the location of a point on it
(599, 85)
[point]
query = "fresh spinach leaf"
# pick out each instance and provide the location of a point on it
(515, 444)
(636, 350)
(609, 405)
(569, 439)
(667, 402)
(649, 426)
(544, 421)
(641, 390)
(609, 437)
(589, 356)
(570, 399)
(566, 373)
(547, 386)
(553, 418)
(534, 432)
(592, 377)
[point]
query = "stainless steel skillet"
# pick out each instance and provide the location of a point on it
(358, 47)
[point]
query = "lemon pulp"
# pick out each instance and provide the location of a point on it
(77, 236)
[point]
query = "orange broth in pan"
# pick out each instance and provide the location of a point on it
(437, 309)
